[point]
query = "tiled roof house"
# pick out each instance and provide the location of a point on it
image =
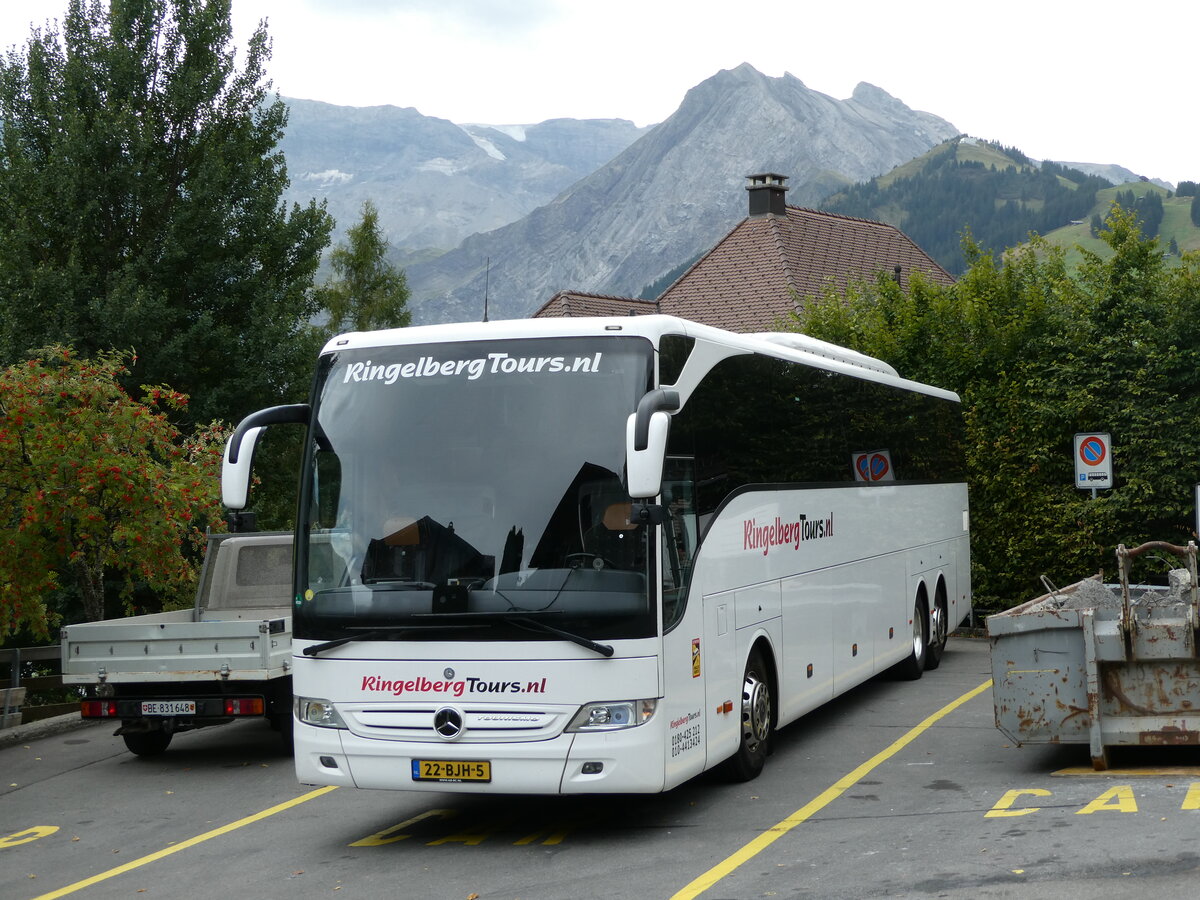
(576, 303)
(777, 256)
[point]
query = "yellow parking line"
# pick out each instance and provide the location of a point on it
(183, 845)
(772, 834)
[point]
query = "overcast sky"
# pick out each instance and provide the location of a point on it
(1102, 82)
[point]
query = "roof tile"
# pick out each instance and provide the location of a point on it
(578, 303)
(755, 277)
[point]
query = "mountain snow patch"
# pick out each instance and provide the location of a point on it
(440, 164)
(487, 147)
(485, 144)
(516, 132)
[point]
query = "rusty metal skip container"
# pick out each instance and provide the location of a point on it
(1102, 665)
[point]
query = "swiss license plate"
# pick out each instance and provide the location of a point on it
(168, 707)
(451, 770)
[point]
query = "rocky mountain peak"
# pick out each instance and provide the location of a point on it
(870, 95)
(676, 190)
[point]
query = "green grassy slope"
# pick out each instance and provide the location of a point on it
(1176, 223)
(996, 193)
(999, 196)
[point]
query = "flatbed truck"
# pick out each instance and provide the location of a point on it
(227, 657)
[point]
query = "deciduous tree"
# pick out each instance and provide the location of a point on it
(1039, 353)
(96, 485)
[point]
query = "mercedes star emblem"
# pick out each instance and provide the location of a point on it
(448, 723)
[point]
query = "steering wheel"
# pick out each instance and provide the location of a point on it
(588, 560)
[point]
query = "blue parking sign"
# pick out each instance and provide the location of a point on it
(1093, 460)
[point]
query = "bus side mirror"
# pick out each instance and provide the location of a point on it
(235, 470)
(239, 450)
(646, 442)
(645, 466)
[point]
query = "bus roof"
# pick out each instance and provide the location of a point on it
(793, 346)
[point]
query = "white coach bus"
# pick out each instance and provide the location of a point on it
(604, 555)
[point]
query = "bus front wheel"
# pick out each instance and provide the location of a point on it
(911, 668)
(757, 715)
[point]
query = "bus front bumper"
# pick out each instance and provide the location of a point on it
(625, 761)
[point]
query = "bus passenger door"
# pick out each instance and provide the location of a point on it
(684, 659)
(722, 675)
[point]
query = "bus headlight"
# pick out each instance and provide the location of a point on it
(613, 716)
(312, 711)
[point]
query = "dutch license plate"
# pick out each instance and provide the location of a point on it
(168, 707)
(451, 770)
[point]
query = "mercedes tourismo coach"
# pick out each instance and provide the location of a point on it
(604, 555)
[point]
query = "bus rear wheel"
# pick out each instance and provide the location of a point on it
(939, 633)
(757, 716)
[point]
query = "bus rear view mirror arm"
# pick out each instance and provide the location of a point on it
(652, 402)
(646, 442)
(239, 451)
(651, 513)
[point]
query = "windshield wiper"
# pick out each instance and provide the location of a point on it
(538, 625)
(337, 642)
(367, 634)
(525, 619)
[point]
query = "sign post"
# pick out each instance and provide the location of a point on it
(1093, 461)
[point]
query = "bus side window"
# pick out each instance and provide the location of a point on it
(326, 489)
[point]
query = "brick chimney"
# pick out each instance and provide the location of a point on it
(766, 194)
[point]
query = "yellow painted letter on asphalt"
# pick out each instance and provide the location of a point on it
(1118, 799)
(390, 835)
(552, 837)
(469, 838)
(1004, 808)
(29, 834)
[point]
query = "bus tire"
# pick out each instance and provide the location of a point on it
(939, 631)
(147, 743)
(910, 669)
(757, 718)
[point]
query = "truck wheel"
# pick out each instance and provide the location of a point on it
(757, 716)
(939, 632)
(911, 668)
(147, 743)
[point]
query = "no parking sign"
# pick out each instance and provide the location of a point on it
(1093, 461)
(873, 466)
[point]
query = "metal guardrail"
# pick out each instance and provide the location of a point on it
(14, 693)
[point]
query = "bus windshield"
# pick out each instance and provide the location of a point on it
(473, 491)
